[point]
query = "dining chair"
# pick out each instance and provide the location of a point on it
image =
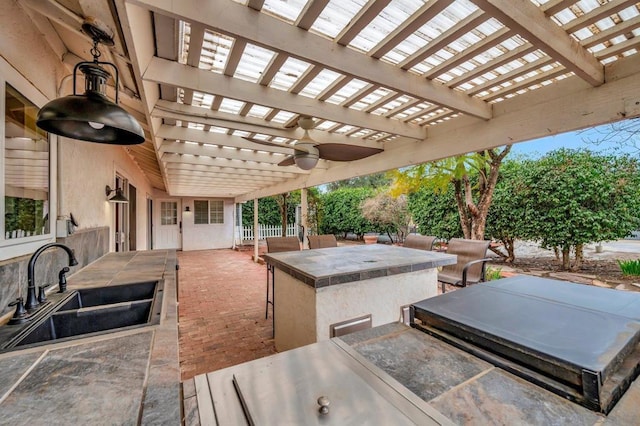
(421, 242)
(277, 245)
(470, 266)
(322, 241)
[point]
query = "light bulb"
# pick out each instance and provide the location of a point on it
(95, 125)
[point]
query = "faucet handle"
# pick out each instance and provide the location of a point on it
(62, 279)
(42, 297)
(19, 303)
(20, 314)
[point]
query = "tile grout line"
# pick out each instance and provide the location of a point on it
(24, 376)
(462, 384)
(147, 373)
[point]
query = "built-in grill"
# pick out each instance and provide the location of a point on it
(581, 342)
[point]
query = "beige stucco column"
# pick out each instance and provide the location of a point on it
(255, 230)
(304, 214)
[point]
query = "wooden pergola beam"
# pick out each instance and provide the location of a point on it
(530, 22)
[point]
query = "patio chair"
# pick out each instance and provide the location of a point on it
(421, 242)
(322, 241)
(277, 245)
(470, 268)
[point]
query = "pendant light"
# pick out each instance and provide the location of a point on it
(92, 116)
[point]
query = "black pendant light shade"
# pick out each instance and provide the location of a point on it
(92, 117)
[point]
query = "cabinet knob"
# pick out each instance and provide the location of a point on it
(324, 403)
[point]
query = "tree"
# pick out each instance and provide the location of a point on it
(314, 210)
(283, 200)
(474, 178)
(506, 220)
(342, 212)
(624, 135)
(390, 213)
(435, 213)
(376, 180)
(575, 197)
(269, 212)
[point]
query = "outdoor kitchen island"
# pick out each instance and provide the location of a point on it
(460, 362)
(315, 289)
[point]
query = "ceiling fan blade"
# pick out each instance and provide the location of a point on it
(304, 147)
(267, 143)
(289, 161)
(344, 152)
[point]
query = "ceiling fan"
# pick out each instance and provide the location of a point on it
(306, 151)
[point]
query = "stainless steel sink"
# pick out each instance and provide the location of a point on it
(94, 311)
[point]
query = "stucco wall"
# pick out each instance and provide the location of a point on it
(24, 47)
(200, 237)
(85, 169)
(304, 315)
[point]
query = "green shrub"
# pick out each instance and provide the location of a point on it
(492, 274)
(341, 212)
(629, 267)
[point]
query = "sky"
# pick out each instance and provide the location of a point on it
(542, 146)
(572, 140)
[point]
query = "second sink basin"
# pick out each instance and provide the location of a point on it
(87, 297)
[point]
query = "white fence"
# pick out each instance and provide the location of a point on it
(246, 233)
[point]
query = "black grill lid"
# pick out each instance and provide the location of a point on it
(574, 335)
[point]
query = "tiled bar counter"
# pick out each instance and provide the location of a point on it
(317, 288)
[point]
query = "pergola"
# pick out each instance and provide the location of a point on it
(211, 80)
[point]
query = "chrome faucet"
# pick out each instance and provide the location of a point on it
(32, 302)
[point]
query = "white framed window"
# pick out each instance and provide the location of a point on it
(27, 168)
(208, 212)
(168, 213)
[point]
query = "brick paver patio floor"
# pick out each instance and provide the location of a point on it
(221, 311)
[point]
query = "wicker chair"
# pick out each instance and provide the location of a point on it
(421, 242)
(322, 241)
(277, 245)
(470, 268)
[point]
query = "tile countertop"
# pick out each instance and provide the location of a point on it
(468, 390)
(126, 377)
(338, 265)
(458, 385)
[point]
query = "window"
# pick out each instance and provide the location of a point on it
(26, 172)
(216, 211)
(169, 213)
(208, 212)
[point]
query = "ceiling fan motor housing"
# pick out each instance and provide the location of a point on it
(306, 155)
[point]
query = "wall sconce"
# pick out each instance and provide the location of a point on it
(118, 197)
(92, 116)
(187, 209)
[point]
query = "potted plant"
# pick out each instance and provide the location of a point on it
(370, 238)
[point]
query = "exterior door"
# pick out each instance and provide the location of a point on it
(133, 223)
(122, 217)
(150, 222)
(168, 225)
